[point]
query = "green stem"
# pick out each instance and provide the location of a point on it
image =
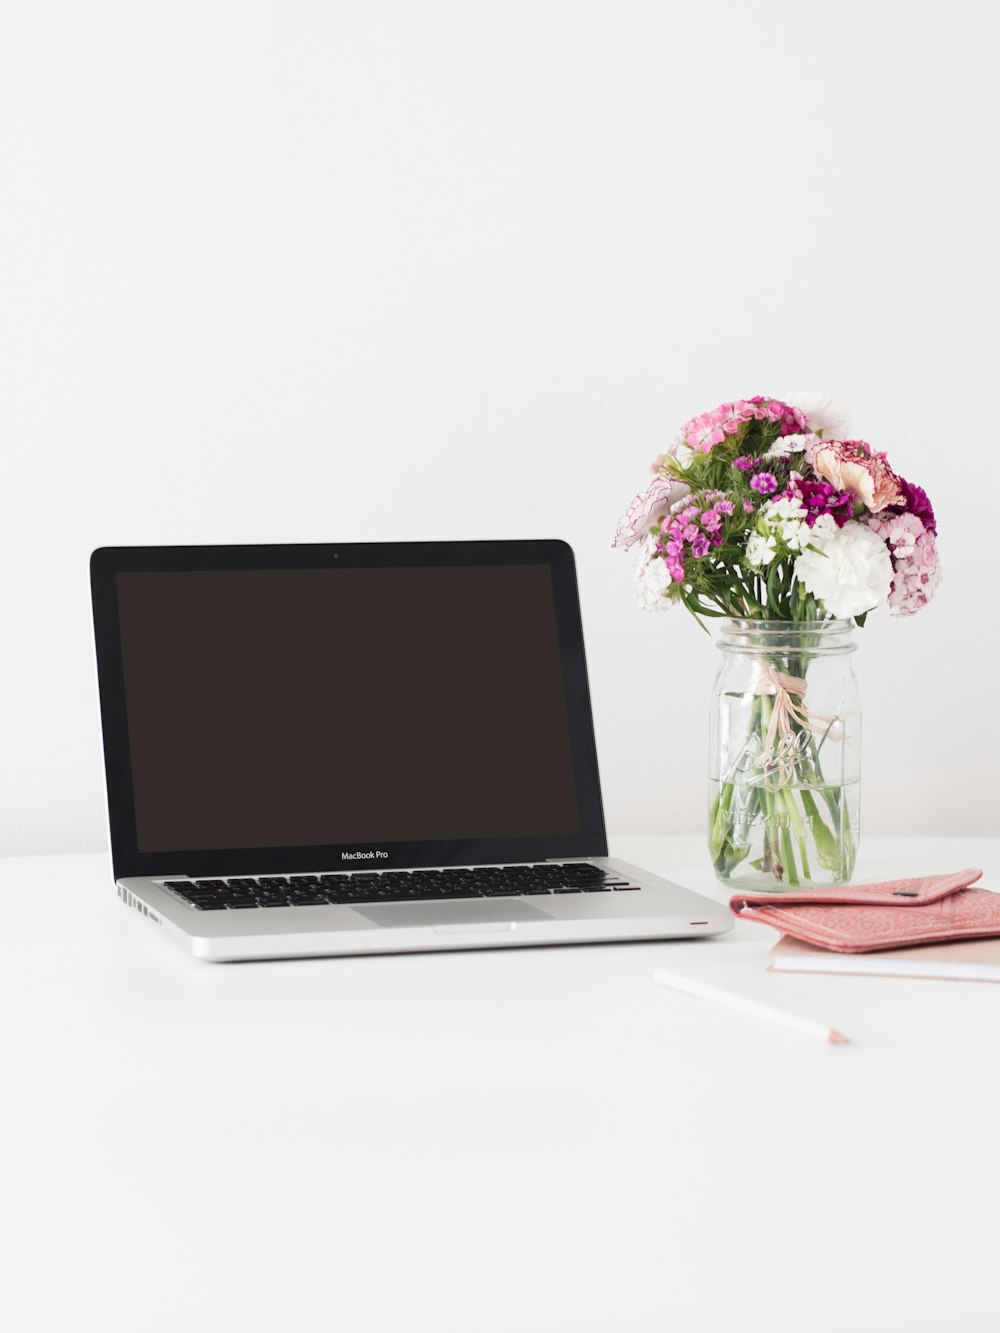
(788, 856)
(799, 829)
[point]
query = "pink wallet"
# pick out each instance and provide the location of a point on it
(857, 918)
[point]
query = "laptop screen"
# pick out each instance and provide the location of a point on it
(273, 708)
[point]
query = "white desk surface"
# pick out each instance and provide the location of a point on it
(509, 1141)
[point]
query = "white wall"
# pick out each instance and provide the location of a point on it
(320, 271)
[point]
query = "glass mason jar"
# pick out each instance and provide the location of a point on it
(785, 760)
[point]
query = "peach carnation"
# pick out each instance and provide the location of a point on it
(850, 465)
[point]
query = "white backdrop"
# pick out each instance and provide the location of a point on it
(323, 271)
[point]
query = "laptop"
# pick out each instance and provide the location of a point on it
(349, 749)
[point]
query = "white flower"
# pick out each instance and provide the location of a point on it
(786, 445)
(825, 417)
(785, 518)
(649, 509)
(760, 550)
(652, 579)
(824, 528)
(850, 572)
(783, 508)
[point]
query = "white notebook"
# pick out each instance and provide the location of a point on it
(955, 960)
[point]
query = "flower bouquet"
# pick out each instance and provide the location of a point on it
(763, 513)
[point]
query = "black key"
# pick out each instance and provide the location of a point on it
(619, 887)
(210, 883)
(239, 902)
(213, 906)
(274, 902)
(301, 901)
(536, 888)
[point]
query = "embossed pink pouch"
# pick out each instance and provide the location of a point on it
(857, 918)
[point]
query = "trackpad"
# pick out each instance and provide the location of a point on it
(485, 912)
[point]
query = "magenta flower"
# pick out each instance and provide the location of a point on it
(765, 483)
(819, 497)
(915, 502)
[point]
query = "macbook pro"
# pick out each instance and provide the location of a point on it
(343, 749)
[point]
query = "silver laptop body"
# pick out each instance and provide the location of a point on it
(332, 750)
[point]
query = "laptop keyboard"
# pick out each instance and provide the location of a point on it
(390, 886)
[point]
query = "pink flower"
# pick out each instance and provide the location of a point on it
(711, 521)
(648, 510)
(699, 547)
(849, 465)
(902, 532)
(704, 432)
(916, 570)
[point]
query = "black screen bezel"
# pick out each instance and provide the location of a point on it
(107, 562)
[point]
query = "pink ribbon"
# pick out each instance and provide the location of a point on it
(789, 718)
